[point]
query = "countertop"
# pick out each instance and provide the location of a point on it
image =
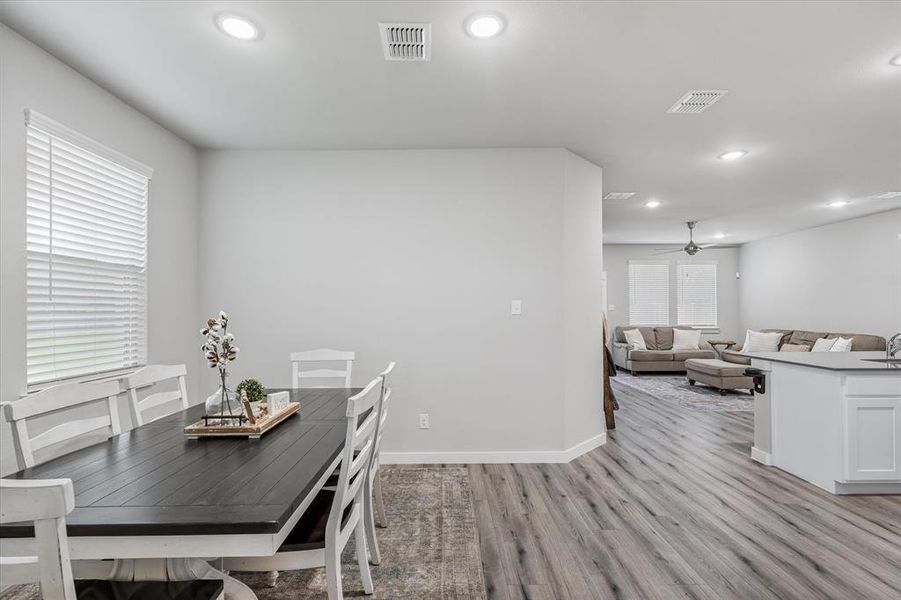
(831, 361)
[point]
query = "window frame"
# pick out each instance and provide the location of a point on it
(47, 126)
(679, 290)
(661, 263)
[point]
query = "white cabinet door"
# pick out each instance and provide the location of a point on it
(872, 438)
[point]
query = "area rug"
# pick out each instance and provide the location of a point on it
(430, 548)
(675, 388)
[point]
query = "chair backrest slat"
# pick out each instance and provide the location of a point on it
(355, 459)
(150, 376)
(62, 399)
(383, 406)
(45, 503)
(301, 360)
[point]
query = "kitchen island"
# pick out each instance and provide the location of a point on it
(830, 418)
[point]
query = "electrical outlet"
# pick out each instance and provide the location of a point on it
(516, 307)
(423, 420)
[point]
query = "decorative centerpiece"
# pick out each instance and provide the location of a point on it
(240, 413)
(219, 350)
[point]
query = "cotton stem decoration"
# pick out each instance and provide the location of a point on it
(219, 350)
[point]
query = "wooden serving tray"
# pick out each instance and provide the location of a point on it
(264, 424)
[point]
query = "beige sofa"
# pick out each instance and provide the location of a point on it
(861, 342)
(659, 356)
(727, 373)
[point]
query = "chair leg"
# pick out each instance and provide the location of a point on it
(362, 556)
(271, 578)
(333, 573)
(379, 500)
(375, 557)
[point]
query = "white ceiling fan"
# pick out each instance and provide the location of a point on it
(691, 248)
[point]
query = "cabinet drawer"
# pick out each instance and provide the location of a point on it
(888, 384)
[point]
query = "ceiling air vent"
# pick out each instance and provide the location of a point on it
(406, 41)
(619, 195)
(696, 101)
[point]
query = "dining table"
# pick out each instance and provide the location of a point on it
(151, 504)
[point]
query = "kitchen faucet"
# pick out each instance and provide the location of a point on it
(894, 346)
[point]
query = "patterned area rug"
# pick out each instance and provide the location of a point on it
(675, 388)
(430, 548)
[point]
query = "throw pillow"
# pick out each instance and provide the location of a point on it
(686, 339)
(635, 339)
(794, 348)
(841, 345)
(758, 341)
(823, 345)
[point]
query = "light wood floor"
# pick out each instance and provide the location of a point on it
(672, 507)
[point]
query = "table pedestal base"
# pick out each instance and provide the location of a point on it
(178, 569)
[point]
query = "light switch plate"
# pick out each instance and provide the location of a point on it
(423, 420)
(516, 307)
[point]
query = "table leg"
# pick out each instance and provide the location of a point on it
(178, 569)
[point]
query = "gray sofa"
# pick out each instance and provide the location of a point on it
(659, 356)
(861, 342)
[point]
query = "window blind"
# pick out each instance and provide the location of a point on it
(648, 292)
(696, 293)
(86, 249)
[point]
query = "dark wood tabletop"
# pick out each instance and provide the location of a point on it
(152, 480)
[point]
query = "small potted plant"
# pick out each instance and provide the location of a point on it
(254, 389)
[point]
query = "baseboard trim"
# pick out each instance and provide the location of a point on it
(873, 487)
(490, 457)
(762, 457)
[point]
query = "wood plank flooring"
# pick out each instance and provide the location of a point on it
(673, 507)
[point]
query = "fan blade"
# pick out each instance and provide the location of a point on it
(676, 251)
(670, 248)
(718, 245)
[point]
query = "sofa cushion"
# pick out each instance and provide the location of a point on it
(806, 338)
(687, 354)
(794, 348)
(646, 332)
(664, 338)
(717, 368)
(735, 357)
(646, 355)
(862, 342)
(635, 339)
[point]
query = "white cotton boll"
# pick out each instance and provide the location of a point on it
(223, 316)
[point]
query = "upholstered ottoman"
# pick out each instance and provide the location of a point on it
(719, 374)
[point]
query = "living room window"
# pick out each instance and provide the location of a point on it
(86, 248)
(649, 292)
(696, 294)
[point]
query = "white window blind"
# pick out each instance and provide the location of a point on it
(696, 293)
(86, 238)
(648, 292)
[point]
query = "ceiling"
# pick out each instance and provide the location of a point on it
(812, 96)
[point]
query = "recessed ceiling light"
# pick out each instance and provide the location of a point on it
(732, 155)
(837, 203)
(719, 235)
(484, 25)
(896, 61)
(237, 27)
(652, 203)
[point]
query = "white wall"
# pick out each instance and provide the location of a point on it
(414, 256)
(616, 264)
(844, 277)
(31, 78)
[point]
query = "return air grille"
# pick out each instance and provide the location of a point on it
(696, 101)
(406, 41)
(618, 195)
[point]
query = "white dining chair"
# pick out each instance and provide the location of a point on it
(301, 361)
(374, 503)
(67, 403)
(45, 503)
(319, 537)
(148, 377)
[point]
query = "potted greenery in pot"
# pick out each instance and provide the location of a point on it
(253, 388)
